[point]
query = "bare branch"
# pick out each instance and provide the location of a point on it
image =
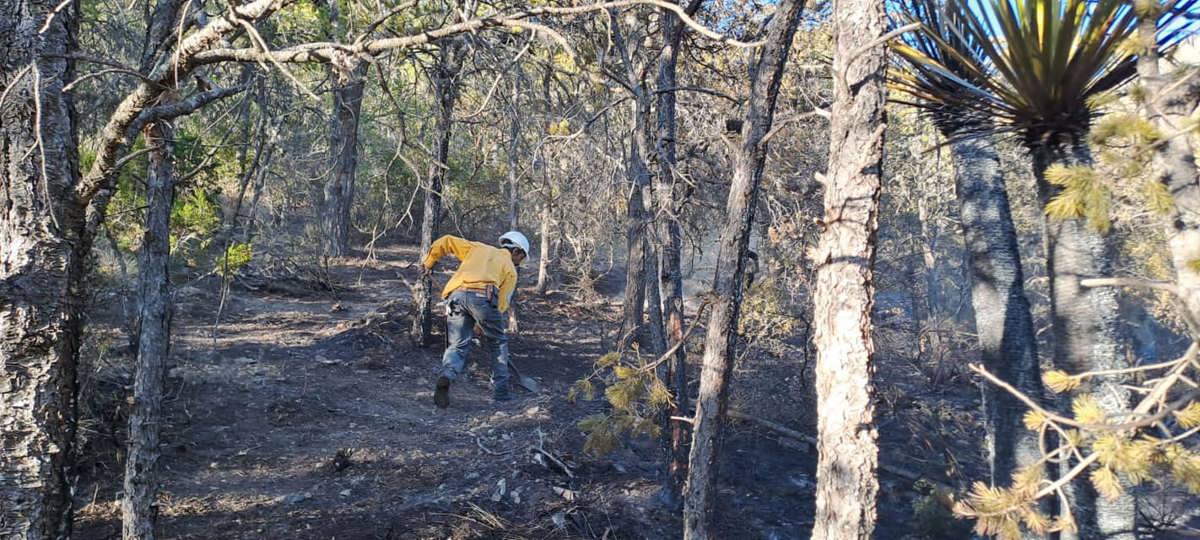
(94, 189)
(324, 51)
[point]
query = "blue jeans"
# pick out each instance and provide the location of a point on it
(467, 309)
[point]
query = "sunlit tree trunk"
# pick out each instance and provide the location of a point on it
(848, 456)
(1087, 328)
(43, 254)
(1176, 161)
(721, 334)
(445, 85)
(138, 513)
(343, 157)
(546, 257)
(514, 193)
(1003, 322)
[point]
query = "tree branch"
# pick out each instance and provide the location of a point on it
(323, 52)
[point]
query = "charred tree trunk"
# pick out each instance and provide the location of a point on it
(668, 198)
(650, 245)
(138, 512)
(343, 157)
(848, 456)
(635, 230)
(43, 254)
(654, 311)
(1087, 328)
(445, 85)
(721, 334)
(1176, 160)
(1003, 323)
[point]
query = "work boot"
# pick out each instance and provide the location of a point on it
(441, 394)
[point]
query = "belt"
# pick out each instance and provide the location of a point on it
(486, 289)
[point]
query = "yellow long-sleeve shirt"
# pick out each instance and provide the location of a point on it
(481, 265)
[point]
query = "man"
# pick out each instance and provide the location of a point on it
(478, 293)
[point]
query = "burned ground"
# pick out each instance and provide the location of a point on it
(309, 415)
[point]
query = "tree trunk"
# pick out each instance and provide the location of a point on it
(1175, 160)
(1087, 330)
(654, 311)
(445, 85)
(544, 255)
(43, 254)
(930, 309)
(343, 157)
(847, 485)
(138, 513)
(721, 333)
(635, 228)
(546, 258)
(514, 194)
(1003, 323)
(675, 433)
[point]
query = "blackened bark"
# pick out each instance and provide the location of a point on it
(1087, 329)
(848, 456)
(675, 433)
(343, 157)
(721, 333)
(654, 313)
(43, 254)
(138, 513)
(1003, 322)
(444, 77)
(636, 221)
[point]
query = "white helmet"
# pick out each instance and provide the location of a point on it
(515, 239)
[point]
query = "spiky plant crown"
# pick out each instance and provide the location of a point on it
(1036, 68)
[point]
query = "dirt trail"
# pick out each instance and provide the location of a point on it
(294, 425)
(300, 422)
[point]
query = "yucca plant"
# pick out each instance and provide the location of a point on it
(1003, 321)
(1036, 69)
(1024, 66)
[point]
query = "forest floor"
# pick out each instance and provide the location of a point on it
(310, 415)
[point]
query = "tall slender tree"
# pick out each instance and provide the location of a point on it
(338, 194)
(1169, 99)
(631, 55)
(443, 76)
(668, 201)
(138, 514)
(847, 459)
(721, 334)
(346, 75)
